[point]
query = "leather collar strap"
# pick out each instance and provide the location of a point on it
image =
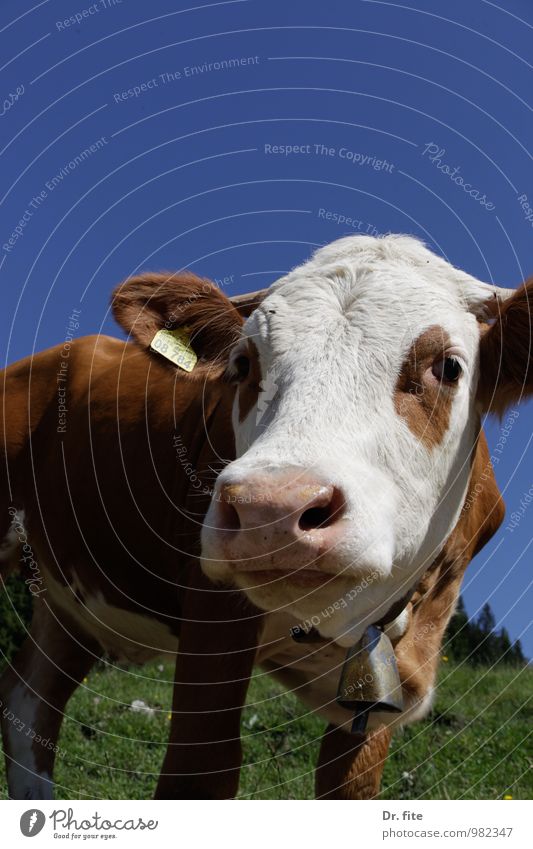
(369, 680)
(300, 635)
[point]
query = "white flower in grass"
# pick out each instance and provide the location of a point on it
(138, 706)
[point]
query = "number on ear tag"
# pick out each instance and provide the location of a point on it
(175, 345)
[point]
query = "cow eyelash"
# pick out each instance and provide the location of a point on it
(448, 370)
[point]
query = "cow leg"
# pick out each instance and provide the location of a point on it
(217, 649)
(34, 691)
(350, 766)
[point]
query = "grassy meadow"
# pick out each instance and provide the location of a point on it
(476, 744)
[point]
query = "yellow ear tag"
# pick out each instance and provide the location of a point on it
(175, 345)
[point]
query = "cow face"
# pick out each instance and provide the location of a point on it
(356, 415)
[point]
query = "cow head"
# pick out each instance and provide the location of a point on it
(360, 381)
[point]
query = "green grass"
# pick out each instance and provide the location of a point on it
(476, 744)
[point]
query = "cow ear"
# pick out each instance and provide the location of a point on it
(506, 373)
(248, 302)
(151, 302)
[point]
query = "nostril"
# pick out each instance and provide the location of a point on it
(322, 516)
(229, 518)
(315, 517)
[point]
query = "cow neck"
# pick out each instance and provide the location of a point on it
(300, 635)
(369, 680)
(192, 480)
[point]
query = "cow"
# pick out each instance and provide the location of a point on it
(318, 462)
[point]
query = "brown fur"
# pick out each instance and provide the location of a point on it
(434, 601)
(250, 387)
(109, 503)
(150, 302)
(505, 354)
(422, 402)
(350, 767)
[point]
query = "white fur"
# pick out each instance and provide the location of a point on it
(24, 781)
(312, 672)
(124, 634)
(335, 332)
(397, 628)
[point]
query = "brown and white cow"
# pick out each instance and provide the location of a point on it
(317, 465)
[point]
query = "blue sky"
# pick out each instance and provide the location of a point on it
(183, 109)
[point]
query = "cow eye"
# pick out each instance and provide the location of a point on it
(241, 365)
(448, 370)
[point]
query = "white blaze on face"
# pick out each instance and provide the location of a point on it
(350, 340)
